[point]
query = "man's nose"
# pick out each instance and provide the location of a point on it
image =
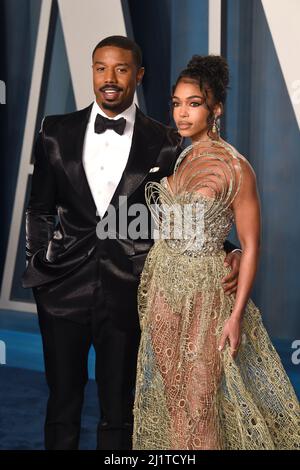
(110, 76)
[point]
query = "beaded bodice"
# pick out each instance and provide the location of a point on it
(206, 234)
(194, 216)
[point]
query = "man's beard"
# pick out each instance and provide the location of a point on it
(112, 106)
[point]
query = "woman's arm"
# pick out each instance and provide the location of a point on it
(248, 225)
(246, 208)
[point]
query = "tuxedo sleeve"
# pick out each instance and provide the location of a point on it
(229, 247)
(41, 210)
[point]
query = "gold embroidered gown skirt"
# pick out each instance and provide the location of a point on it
(188, 394)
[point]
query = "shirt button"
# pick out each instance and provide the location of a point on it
(101, 167)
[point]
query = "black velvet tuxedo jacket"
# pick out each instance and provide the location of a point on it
(61, 216)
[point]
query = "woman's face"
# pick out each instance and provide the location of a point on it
(190, 111)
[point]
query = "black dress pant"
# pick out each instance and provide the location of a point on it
(66, 345)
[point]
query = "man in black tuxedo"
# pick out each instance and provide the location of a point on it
(85, 287)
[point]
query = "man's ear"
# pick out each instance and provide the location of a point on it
(140, 75)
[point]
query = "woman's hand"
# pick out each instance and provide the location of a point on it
(232, 332)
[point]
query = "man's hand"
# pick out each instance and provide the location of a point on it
(230, 281)
(232, 334)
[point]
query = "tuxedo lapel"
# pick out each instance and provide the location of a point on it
(147, 141)
(73, 134)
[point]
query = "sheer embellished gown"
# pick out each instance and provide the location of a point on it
(188, 394)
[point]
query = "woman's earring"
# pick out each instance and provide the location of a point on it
(215, 128)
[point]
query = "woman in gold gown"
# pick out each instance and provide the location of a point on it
(208, 375)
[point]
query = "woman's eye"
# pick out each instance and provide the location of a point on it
(100, 69)
(175, 104)
(195, 104)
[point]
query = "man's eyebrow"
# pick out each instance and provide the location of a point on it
(119, 63)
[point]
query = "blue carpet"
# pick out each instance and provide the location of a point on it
(22, 409)
(23, 390)
(23, 344)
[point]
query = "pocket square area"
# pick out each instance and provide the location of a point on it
(154, 169)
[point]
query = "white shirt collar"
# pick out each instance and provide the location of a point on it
(128, 114)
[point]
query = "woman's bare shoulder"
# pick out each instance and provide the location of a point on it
(242, 162)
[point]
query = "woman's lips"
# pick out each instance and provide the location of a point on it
(184, 125)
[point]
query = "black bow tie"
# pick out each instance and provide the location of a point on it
(102, 124)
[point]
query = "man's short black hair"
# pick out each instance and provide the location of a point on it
(123, 43)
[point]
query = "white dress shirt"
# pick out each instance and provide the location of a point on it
(105, 156)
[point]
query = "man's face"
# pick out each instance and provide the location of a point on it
(115, 77)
